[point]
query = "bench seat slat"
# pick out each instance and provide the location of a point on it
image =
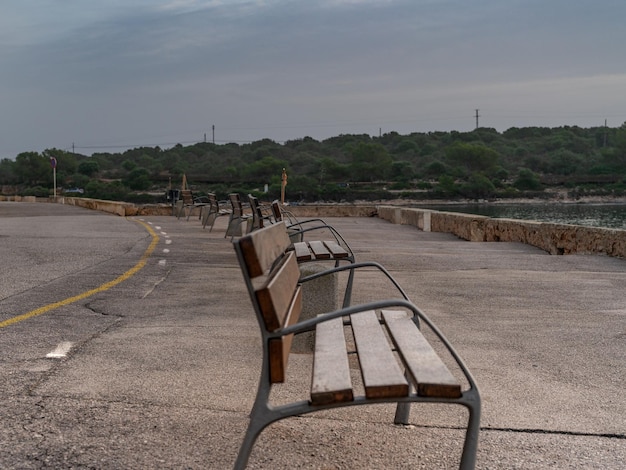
(432, 376)
(382, 376)
(302, 251)
(331, 372)
(337, 250)
(319, 249)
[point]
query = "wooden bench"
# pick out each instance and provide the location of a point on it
(190, 202)
(336, 250)
(239, 220)
(215, 211)
(280, 214)
(261, 214)
(404, 370)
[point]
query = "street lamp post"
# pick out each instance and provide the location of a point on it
(53, 164)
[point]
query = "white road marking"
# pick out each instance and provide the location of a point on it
(162, 262)
(167, 242)
(166, 250)
(61, 350)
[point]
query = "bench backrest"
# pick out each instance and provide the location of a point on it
(235, 202)
(186, 196)
(213, 202)
(271, 273)
(257, 214)
(276, 212)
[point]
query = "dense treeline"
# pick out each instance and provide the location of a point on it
(480, 164)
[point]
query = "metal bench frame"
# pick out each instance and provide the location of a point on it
(263, 413)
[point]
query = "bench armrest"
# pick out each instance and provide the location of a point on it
(336, 235)
(354, 266)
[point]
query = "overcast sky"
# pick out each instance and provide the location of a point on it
(112, 74)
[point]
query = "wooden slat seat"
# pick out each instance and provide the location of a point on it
(395, 361)
(320, 250)
(432, 376)
(331, 381)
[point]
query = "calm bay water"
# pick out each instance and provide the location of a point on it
(592, 215)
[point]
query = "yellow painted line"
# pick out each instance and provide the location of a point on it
(131, 272)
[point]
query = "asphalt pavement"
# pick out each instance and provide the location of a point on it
(131, 343)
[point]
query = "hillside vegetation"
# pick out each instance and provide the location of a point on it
(482, 164)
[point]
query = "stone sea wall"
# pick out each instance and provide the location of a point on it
(556, 239)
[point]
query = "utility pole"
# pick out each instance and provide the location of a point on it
(605, 133)
(477, 116)
(205, 137)
(213, 127)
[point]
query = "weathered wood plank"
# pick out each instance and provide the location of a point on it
(331, 373)
(302, 251)
(319, 249)
(276, 294)
(262, 247)
(336, 249)
(382, 376)
(279, 348)
(432, 376)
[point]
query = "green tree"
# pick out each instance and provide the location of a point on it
(472, 157)
(88, 167)
(478, 187)
(436, 169)
(7, 171)
(331, 170)
(618, 156)
(527, 180)
(31, 168)
(447, 184)
(264, 169)
(564, 162)
(79, 180)
(138, 179)
(402, 171)
(129, 165)
(370, 162)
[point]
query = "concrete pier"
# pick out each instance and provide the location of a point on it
(160, 370)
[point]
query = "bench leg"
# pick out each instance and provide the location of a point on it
(234, 228)
(209, 219)
(260, 417)
(402, 413)
(347, 298)
(471, 401)
(470, 447)
(252, 433)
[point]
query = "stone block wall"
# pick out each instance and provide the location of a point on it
(556, 239)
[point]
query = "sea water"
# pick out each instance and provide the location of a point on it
(591, 215)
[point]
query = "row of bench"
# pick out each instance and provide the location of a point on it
(383, 339)
(246, 217)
